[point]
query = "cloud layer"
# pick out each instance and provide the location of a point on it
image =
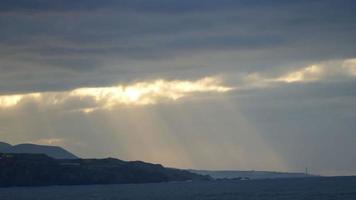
(239, 84)
(43, 48)
(140, 93)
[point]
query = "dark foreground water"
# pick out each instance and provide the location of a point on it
(308, 188)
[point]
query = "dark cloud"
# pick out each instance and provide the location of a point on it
(42, 41)
(168, 6)
(56, 45)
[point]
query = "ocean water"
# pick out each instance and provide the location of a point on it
(291, 189)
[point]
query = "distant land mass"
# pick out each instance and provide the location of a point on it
(40, 165)
(235, 174)
(51, 151)
(42, 170)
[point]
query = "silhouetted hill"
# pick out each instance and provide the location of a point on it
(41, 170)
(51, 151)
(4, 146)
(234, 174)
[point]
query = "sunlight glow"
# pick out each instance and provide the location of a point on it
(49, 141)
(13, 100)
(140, 93)
(309, 73)
(143, 93)
(350, 66)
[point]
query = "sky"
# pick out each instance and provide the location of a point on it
(204, 84)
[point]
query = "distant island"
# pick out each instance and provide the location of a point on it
(41, 165)
(42, 170)
(249, 175)
(51, 151)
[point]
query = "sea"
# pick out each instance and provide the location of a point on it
(330, 188)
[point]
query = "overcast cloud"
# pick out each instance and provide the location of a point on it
(289, 70)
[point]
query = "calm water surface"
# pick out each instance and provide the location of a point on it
(308, 188)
